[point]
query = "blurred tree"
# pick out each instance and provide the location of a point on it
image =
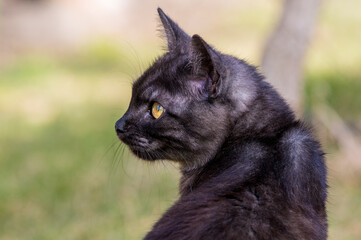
(282, 61)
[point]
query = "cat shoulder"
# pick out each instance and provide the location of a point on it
(304, 169)
(298, 145)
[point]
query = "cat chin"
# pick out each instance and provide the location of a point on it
(144, 154)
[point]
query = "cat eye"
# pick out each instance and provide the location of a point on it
(157, 110)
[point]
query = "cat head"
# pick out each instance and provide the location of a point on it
(185, 105)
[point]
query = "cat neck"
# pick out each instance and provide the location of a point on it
(268, 116)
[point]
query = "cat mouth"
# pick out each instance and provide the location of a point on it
(140, 147)
(135, 142)
(143, 154)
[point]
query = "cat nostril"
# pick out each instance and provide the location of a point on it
(119, 131)
(119, 126)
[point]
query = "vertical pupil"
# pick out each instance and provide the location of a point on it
(158, 108)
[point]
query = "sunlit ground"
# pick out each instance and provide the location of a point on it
(64, 174)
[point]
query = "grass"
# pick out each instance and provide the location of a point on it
(63, 176)
(63, 173)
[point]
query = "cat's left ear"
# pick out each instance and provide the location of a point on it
(176, 37)
(207, 63)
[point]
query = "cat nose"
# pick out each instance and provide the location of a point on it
(119, 126)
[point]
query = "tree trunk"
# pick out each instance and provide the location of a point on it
(282, 62)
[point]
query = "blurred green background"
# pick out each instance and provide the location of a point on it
(65, 79)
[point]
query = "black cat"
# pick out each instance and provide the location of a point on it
(249, 169)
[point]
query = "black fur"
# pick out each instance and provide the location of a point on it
(250, 170)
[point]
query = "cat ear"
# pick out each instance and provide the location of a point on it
(176, 37)
(206, 62)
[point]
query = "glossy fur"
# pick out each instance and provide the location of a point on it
(250, 170)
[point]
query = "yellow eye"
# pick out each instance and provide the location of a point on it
(157, 110)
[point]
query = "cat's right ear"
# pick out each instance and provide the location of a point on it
(176, 37)
(207, 63)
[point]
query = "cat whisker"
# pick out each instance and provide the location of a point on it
(122, 159)
(162, 157)
(118, 158)
(113, 163)
(178, 153)
(112, 145)
(139, 62)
